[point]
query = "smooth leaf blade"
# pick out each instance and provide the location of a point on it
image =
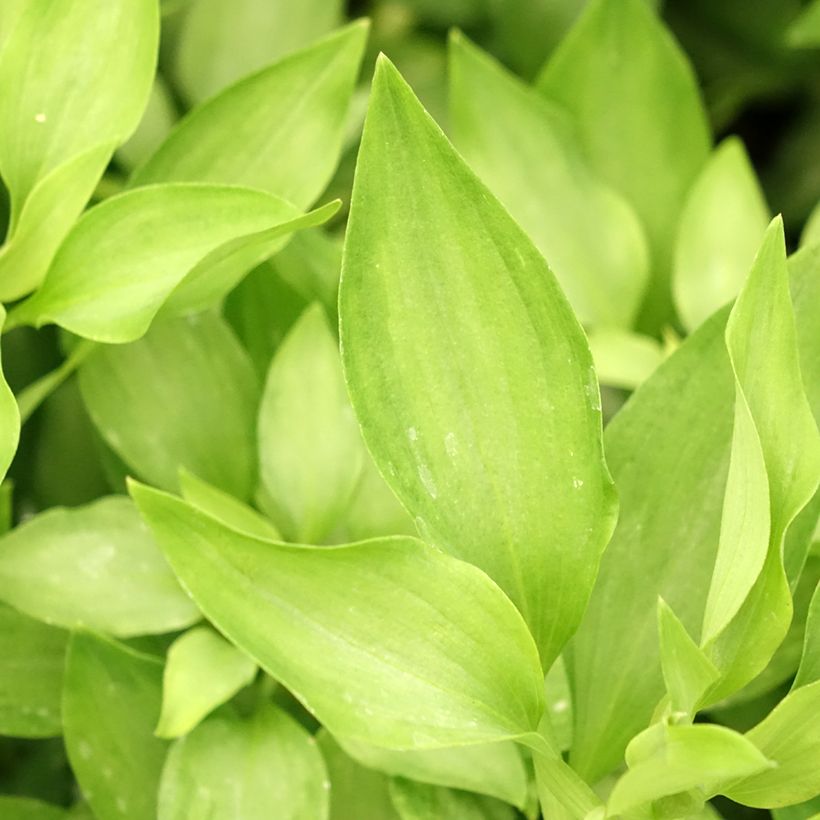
(448, 662)
(470, 376)
(529, 156)
(202, 671)
(421, 801)
(809, 669)
(9, 418)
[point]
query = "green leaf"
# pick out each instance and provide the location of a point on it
(447, 662)
(809, 670)
(789, 736)
(74, 80)
(470, 376)
(184, 395)
(310, 449)
(624, 359)
(354, 790)
(762, 341)
(9, 418)
(218, 44)
(641, 121)
(129, 254)
(811, 230)
(687, 672)
(255, 768)
(26, 808)
(494, 769)
(529, 156)
(805, 30)
(202, 671)
(293, 119)
(721, 225)
(810, 810)
(421, 801)
(110, 707)
(229, 510)
(157, 121)
(94, 566)
(32, 656)
(702, 757)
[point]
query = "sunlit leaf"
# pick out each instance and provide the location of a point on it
(421, 801)
(624, 359)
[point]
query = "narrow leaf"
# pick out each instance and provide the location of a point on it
(202, 671)
(470, 376)
(809, 669)
(9, 418)
(94, 566)
(256, 768)
(447, 662)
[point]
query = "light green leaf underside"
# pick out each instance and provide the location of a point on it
(421, 801)
(624, 359)
(529, 156)
(292, 118)
(790, 736)
(668, 449)
(470, 376)
(202, 671)
(27, 808)
(183, 395)
(126, 256)
(255, 768)
(311, 453)
(721, 225)
(448, 661)
(494, 769)
(95, 567)
(229, 510)
(74, 80)
(640, 118)
(809, 669)
(218, 44)
(702, 757)
(110, 706)
(32, 656)
(9, 418)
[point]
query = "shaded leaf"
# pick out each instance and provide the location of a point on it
(809, 669)
(27, 808)
(623, 359)
(421, 801)
(805, 30)
(9, 418)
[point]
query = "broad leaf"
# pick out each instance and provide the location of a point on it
(292, 116)
(809, 669)
(421, 801)
(255, 768)
(529, 156)
(9, 418)
(789, 736)
(26, 808)
(810, 810)
(623, 359)
(157, 121)
(110, 706)
(447, 662)
(722, 223)
(74, 79)
(202, 671)
(311, 453)
(221, 505)
(32, 656)
(494, 769)
(94, 566)
(219, 43)
(126, 256)
(471, 377)
(184, 395)
(641, 121)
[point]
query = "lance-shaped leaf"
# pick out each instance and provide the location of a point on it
(447, 662)
(217, 44)
(789, 736)
(722, 223)
(471, 377)
(111, 702)
(640, 118)
(9, 418)
(32, 657)
(292, 117)
(529, 156)
(495, 769)
(74, 79)
(750, 585)
(256, 768)
(310, 449)
(202, 671)
(94, 566)
(421, 801)
(702, 757)
(809, 669)
(124, 258)
(184, 395)
(669, 452)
